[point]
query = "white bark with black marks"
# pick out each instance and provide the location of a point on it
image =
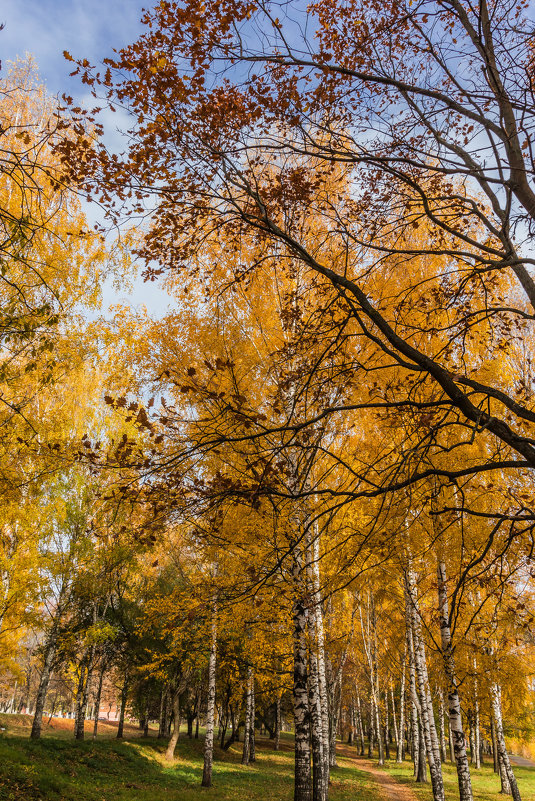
(454, 704)
(210, 705)
(426, 707)
(508, 778)
(302, 775)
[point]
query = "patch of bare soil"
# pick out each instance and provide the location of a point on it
(390, 788)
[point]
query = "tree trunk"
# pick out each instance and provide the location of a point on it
(96, 710)
(415, 730)
(163, 713)
(170, 751)
(506, 772)
(316, 728)
(360, 725)
(84, 686)
(371, 718)
(394, 719)
(421, 775)
(426, 706)
(246, 734)
(401, 740)
(442, 733)
(252, 741)
(319, 631)
(387, 729)
(494, 746)
(147, 713)
(477, 734)
(277, 723)
(210, 706)
(124, 694)
(50, 651)
(303, 784)
(454, 704)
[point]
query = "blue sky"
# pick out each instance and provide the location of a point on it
(87, 29)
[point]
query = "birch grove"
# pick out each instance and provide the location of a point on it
(295, 509)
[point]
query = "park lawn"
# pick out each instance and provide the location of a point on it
(60, 769)
(21, 725)
(485, 783)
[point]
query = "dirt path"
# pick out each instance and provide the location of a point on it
(390, 788)
(521, 761)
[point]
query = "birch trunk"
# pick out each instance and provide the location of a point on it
(394, 719)
(42, 691)
(50, 652)
(277, 723)
(421, 776)
(303, 783)
(494, 746)
(316, 732)
(401, 739)
(415, 731)
(442, 733)
(379, 730)
(454, 704)
(477, 735)
(360, 726)
(210, 706)
(370, 729)
(426, 707)
(506, 772)
(320, 651)
(252, 745)
(246, 743)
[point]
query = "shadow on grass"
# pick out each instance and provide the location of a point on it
(64, 770)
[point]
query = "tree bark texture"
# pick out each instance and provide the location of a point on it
(210, 706)
(454, 704)
(507, 776)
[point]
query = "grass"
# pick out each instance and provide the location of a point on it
(485, 783)
(56, 768)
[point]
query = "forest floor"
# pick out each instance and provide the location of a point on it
(56, 768)
(485, 783)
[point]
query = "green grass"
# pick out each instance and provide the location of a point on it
(59, 769)
(56, 768)
(485, 783)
